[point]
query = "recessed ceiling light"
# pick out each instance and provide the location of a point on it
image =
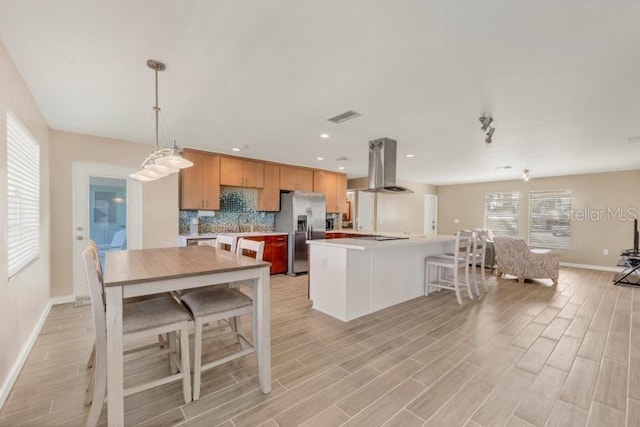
(409, 155)
(235, 149)
(341, 168)
(324, 135)
(320, 158)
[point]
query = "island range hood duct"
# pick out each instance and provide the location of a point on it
(382, 167)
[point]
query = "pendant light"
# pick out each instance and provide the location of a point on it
(163, 161)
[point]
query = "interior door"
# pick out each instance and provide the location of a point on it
(430, 215)
(107, 208)
(365, 214)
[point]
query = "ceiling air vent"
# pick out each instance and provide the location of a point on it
(348, 115)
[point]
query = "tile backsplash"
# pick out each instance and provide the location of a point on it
(238, 213)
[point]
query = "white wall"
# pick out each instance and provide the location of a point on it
(159, 204)
(402, 212)
(24, 299)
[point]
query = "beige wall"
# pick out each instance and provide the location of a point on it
(24, 298)
(160, 198)
(399, 212)
(589, 238)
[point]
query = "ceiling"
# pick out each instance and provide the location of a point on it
(559, 77)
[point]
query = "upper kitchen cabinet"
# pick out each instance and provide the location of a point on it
(200, 184)
(341, 193)
(241, 173)
(292, 178)
(326, 182)
(269, 194)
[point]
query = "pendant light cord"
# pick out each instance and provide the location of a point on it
(156, 109)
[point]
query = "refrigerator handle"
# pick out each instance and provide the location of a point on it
(310, 223)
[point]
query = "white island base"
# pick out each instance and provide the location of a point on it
(349, 278)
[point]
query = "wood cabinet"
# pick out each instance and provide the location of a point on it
(292, 178)
(200, 184)
(269, 194)
(326, 182)
(341, 194)
(275, 252)
(241, 173)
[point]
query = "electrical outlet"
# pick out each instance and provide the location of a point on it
(605, 252)
(456, 221)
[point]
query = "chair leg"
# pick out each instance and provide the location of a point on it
(466, 274)
(475, 277)
(92, 357)
(483, 275)
(184, 363)
(520, 279)
(197, 358)
(88, 393)
(99, 392)
(172, 353)
(426, 278)
(456, 284)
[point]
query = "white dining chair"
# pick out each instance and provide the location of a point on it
(140, 319)
(478, 254)
(224, 240)
(221, 304)
(447, 268)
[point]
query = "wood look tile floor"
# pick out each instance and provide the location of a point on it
(518, 356)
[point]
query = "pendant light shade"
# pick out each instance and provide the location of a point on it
(163, 161)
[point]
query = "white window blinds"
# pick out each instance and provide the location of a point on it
(501, 213)
(23, 184)
(549, 219)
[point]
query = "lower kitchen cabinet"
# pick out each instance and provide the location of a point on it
(275, 251)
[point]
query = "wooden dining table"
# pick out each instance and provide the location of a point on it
(139, 272)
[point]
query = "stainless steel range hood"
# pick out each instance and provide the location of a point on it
(382, 167)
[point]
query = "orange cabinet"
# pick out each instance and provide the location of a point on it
(241, 173)
(341, 194)
(326, 182)
(275, 252)
(292, 178)
(200, 184)
(269, 194)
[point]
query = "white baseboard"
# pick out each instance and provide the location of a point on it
(5, 389)
(591, 267)
(62, 300)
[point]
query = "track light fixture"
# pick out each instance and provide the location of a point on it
(486, 126)
(525, 174)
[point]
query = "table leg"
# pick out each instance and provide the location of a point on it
(262, 322)
(115, 372)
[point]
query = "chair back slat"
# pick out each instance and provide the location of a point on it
(246, 245)
(224, 241)
(464, 240)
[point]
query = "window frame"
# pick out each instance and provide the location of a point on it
(561, 221)
(514, 196)
(23, 196)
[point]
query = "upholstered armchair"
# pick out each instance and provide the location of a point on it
(515, 258)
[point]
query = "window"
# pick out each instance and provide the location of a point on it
(23, 203)
(501, 213)
(549, 214)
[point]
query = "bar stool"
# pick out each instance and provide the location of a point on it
(140, 319)
(478, 256)
(443, 263)
(221, 303)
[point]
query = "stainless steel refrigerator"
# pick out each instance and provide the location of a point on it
(302, 215)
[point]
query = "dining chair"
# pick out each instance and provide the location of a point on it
(226, 242)
(162, 340)
(478, 254)
(443, 263)
(140, 319)
(218, 304)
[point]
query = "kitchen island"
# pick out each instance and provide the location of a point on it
(352, 277)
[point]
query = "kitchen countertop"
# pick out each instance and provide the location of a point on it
(240, 234)
(368, 245)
